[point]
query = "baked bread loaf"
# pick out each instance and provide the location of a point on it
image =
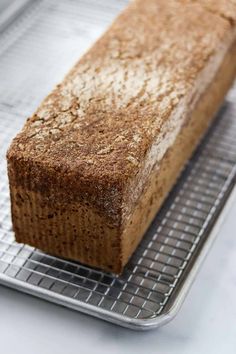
(93, 165)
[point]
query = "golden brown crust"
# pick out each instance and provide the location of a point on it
(92, 166)
(74, 230)
(94, 132)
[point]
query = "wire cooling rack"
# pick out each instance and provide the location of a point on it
(37, 47)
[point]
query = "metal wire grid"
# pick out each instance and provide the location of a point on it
(151, 281)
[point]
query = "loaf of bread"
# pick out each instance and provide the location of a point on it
(93, 165)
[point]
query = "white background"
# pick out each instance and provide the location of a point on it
(205, 324)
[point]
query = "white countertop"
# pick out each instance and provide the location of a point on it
(205, 324)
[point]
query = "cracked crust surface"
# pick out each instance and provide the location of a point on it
(76, 232)
(95, 131)
(93, 165)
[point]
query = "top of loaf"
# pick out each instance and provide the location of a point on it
(100, 123)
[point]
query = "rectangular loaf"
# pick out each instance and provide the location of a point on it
(93, 165)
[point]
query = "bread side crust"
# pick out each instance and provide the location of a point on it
(164, 176)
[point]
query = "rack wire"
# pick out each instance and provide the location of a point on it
(48, 37)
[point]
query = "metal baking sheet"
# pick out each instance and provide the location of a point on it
(37, 47)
